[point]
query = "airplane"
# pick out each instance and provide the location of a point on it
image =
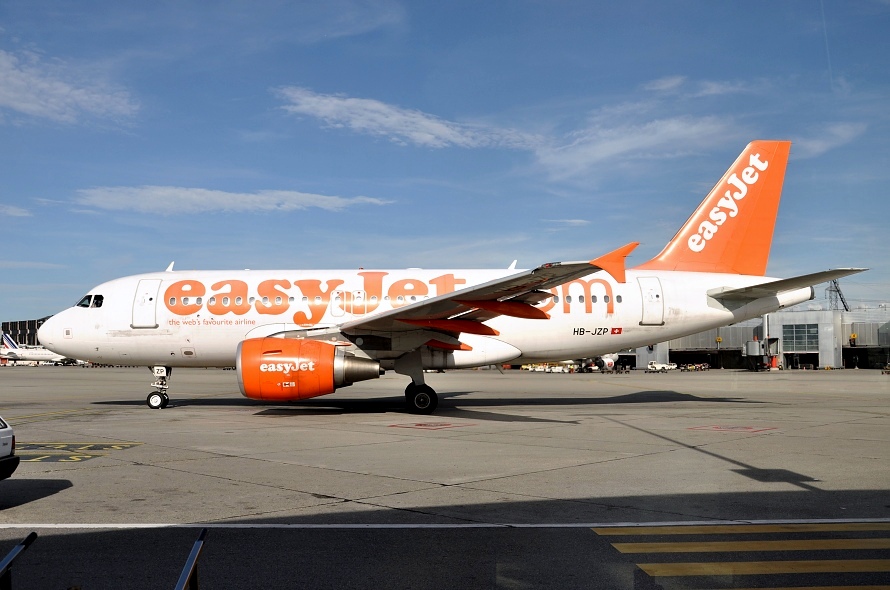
(298, 334)
(11, 351)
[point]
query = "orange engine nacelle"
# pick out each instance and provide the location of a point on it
(284, 369)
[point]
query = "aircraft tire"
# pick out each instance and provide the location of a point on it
(421, 399)
(166, 401)
(155, 400)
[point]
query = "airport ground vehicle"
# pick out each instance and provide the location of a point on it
(9, 461)
(656, 367)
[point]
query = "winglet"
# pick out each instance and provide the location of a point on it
(613, 262)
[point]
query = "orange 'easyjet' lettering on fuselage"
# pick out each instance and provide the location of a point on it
(589, 299)
(274, 296)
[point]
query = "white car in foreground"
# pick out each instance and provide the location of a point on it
(9, 461)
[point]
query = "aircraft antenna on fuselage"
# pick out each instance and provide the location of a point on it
(170, 268)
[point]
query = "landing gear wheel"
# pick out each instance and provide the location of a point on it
(157, 400)
(421, 399)
(166, 401)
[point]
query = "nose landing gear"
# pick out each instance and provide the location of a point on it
(159, 399)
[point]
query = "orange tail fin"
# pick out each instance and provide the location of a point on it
(732, 229)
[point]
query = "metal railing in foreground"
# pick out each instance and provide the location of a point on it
(188, 579)
(6, 564)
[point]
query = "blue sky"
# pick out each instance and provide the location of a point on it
(376, 133)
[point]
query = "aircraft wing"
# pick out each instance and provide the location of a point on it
(775, 287)
(515, 295)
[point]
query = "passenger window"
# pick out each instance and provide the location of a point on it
(568, 298)
(618, 298)
(85, 302)
(239, 300)
(225, 302)
(98, 300)
(593, 298)
(172, 301)
(211, 301)
(556, 299)
(606, 298)
(580, 298)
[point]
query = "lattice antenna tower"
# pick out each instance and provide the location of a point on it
(835, 296)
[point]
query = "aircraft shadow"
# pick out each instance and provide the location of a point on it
(451, 404)
(17, 492)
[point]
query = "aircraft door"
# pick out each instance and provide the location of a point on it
(338, 304)
(653, 301)
(145, 304)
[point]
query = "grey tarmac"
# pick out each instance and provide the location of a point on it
(512, 483)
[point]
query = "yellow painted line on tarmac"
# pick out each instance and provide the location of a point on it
(751, 568)
(46, 416)
(712, 546)
(731, 529)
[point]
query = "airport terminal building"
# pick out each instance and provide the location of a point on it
(798, 339)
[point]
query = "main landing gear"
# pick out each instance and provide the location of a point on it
(421, 399)
(159, 399)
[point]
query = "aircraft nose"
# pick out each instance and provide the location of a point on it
(47, 333)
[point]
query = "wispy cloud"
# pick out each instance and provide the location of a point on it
(568, 222)
(58, 91)
(333, 19)
(24, 264)
(834, 135)
(12, 211)
(170, 200)
(622, 130)
(400, 125)
(604, 141)
(667, 84)
(697, 89)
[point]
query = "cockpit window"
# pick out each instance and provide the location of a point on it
(85, 302)
(98, 300)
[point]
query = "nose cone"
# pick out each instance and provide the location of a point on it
(48, 333)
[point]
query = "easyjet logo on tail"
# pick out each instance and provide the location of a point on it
(728, 205)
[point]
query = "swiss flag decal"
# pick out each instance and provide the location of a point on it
(616, 331)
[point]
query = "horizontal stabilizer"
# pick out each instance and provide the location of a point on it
(775, 287)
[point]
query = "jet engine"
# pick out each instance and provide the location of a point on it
(285, 369)
(606, 362)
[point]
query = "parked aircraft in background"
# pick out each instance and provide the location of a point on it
(299, 334)
(11, 351)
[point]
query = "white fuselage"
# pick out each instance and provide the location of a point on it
(197, 318)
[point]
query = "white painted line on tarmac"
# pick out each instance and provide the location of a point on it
(493, 525)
